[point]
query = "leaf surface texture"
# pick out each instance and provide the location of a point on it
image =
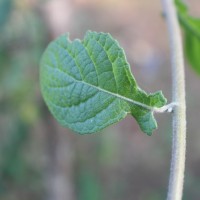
(88, 85)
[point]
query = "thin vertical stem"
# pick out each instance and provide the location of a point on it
(176, 179)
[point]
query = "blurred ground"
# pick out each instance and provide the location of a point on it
(41, 160)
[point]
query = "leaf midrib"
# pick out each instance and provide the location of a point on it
(106, 91)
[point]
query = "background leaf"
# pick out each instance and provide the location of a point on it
(88, 85)
(191, 28)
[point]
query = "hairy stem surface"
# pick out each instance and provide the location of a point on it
(176, 179)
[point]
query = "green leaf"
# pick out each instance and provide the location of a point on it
(191, 29)
(192, 50)
(88, 85)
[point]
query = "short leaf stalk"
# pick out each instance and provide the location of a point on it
(176, 179)
(167, 108)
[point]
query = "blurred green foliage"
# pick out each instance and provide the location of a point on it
(191, 29)
(88, 185)
(5, 9)
(22, 39)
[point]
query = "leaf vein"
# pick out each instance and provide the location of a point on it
(108, 92)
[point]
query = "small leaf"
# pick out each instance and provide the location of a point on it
(88, 85)
(191, 29)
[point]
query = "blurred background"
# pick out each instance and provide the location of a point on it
(41, 160)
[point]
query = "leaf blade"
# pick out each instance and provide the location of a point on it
(88, 84)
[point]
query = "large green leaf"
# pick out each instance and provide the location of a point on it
(88, 85)
(191, 29)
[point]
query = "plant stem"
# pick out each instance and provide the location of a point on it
(175, 188)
